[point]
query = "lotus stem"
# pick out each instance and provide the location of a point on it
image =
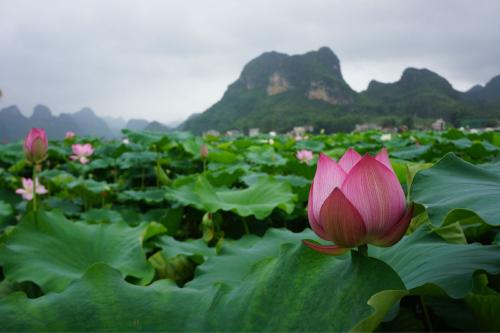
(35, 196)
(426, 315)
(245, 225)
(363, 250)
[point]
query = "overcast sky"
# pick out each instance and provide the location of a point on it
(163, 60)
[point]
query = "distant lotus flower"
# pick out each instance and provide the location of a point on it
(27, 190)
(305, 156)
(203, 151)
(69, 135)
(82, 152)
(125, 141)
(356, 201)
(386, 137)
(36, 145)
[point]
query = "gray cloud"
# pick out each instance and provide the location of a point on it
(167, 59)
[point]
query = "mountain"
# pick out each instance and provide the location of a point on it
(93, 125)
(490, 93)
(14, 125)
(156, 126)
(276, 91)
(137, 124)
(57, 126)
(418, 93)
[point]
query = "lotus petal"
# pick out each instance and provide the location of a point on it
(350, 158)
(328, 176)
(397, 232)
(376, 193)
(383, 157)
(342, 221)
(318, 229)
(77, 149)
(332, 250)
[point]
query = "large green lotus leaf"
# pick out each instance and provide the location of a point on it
(316, 146)
(259, 199)
(425, 258)
(485, 305)
(420, 258)
(136, 159)
(147, 138)
(264, 156)
(411, 153)
(235, 258)
(295, 290)
(53, 251)
(150, 196)
(455, 184)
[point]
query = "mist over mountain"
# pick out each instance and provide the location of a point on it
(14, 125)
(276, 91)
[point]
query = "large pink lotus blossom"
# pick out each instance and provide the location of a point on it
(82, 152)
(305, 156)
(355, 201)
(27, 190)
(36, 145)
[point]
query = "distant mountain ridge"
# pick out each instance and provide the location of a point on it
(14, 125)
(276, 91)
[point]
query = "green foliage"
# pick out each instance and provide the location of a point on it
(215, 244)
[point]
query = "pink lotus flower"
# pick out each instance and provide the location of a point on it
(356, 201)
(27, 190)
(69, 135)
(305, 156)
(36, 145)
(82, 152)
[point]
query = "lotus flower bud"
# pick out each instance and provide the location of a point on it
(355, 201)
(203, 151)
(36, 145)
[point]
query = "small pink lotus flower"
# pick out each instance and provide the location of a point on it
(82, 152)
(305, 156)
(355, 201)
(69, 135)
(36, 145)
(27, 190)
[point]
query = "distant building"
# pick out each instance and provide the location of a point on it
(366, 127)
(301, 130)
(211, 133)
(253, 132)
(233, 132)
(439, 125)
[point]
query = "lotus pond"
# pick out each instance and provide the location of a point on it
(173, 232)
